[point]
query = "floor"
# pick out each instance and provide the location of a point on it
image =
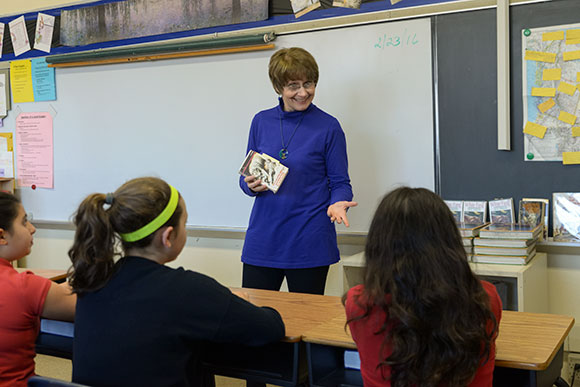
(58, 368)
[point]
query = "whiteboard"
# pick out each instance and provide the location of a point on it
(187, 121)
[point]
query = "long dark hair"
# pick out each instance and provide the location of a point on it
(93, 253)
(8, 210)
(438, 313)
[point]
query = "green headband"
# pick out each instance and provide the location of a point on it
(156, 223)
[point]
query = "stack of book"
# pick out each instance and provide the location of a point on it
(513, 244)
(468, 232)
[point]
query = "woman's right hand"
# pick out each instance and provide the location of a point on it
(255, 184)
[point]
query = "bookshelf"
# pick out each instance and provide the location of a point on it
(524, 287)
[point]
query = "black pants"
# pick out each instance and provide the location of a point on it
(310, 280)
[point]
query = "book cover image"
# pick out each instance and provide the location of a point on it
(456, 207)
(501, 211)
(531, 212)
(545, 216)
(566, 207)
(474, 211)
(265, 168)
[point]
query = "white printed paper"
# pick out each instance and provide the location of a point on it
(6, 164)
(3, 144)
(19, 36)
(3, 107)
(44, 30)
(1, 38)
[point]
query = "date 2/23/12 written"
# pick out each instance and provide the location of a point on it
(406, 39)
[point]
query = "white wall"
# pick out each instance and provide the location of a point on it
(216, 257)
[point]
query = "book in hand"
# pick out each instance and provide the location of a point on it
(470, 229)
(510, 231)
(504, 259)
(497, 242)
(497, 250)
(501, 211)
(265, 168)
(474, 211)
(566, 207)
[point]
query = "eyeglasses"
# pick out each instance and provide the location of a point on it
(295, 86)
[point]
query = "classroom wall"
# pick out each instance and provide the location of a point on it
(216, 257)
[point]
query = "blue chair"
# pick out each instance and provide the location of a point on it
(43, 381)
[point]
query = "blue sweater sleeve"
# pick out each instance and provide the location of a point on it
(337, 165)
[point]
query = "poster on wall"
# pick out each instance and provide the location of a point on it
(551, 74)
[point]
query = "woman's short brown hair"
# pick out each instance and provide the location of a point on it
(290, 64)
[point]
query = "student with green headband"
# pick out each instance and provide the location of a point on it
(139, 322)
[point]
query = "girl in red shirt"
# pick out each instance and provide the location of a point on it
(421, 318)
(24, 297)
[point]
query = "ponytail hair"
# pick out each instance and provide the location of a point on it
(8, 210)
(101, 219)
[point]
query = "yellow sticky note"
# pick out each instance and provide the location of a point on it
(573, 41)
(556, 35)
(540, 56)
(534, 129)
(547, 105)
(573, 34)
(566, 88)
(567, 118)
(543, 91)
(576, 131)
(552, 74)
(21, 81)
(571, 55)
(571, 157)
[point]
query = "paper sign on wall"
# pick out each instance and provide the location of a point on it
(34, 149)
(19, 36)
(44, 30)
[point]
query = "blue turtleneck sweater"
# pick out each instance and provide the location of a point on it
(290, 229)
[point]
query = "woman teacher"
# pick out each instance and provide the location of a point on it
(291, 234)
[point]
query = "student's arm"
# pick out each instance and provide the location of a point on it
(245, 323)
(60, 303)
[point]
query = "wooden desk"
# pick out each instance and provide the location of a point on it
(52, 274)
(529, 348)
(284, 363)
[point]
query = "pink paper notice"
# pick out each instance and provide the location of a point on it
(34, 149)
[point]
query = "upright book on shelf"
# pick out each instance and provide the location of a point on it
(566, 207)
(456, 207)
(510, 231)
(501, 211)
(533, 212)
(266, 168)
(474, 211)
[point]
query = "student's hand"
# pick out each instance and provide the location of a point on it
(337, 211)
(255, 184)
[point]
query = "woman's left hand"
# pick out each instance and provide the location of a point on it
(337, 211)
